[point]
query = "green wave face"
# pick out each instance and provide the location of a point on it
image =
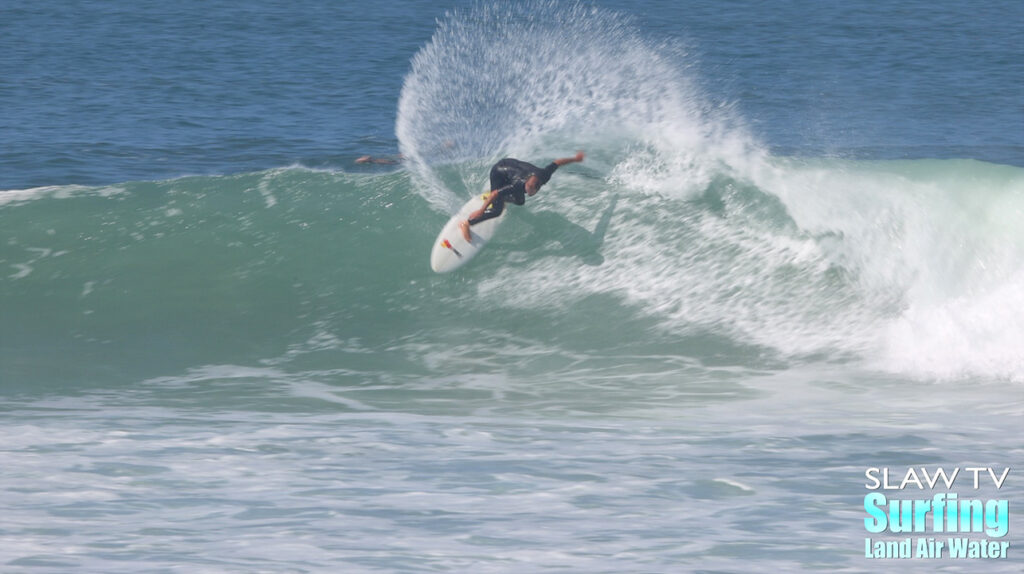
(891, 263)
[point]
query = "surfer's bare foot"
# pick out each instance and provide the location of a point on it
(464, 228)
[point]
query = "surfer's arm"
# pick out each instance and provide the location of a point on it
(491, 196)
(494, 195)
(574, 159)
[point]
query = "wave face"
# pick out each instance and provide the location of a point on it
(680, 236)
(911, 267)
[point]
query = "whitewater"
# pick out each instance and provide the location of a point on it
(879, 259)
(681, 355)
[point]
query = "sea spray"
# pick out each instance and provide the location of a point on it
(542, 79)
(911, 266)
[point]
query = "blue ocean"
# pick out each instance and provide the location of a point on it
(789, 274)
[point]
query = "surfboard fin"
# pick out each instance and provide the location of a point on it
(447, 244)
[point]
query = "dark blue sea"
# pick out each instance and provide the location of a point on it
(793, 254)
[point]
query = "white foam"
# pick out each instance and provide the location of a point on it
(15, 196)
(937, 253)
(981, 334)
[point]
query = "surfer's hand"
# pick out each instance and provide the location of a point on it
(566, 160)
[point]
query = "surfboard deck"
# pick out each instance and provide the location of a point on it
(451, 250)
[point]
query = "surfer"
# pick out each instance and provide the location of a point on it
(512, 180)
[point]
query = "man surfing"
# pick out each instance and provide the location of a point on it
(512, 180)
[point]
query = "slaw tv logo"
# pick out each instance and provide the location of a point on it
(942, 525)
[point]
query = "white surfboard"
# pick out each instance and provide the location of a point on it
(451, 250)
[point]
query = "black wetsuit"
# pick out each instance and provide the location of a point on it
(508, 178)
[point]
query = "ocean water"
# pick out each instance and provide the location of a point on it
(794, 253)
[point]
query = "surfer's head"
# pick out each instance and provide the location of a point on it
(533, 184)
(539, 178)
